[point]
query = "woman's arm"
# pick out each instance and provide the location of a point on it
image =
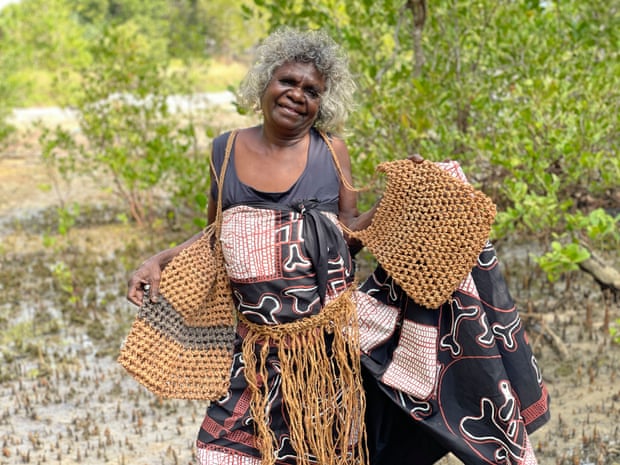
(350, 216)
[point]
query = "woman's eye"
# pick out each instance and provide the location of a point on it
(311, 92)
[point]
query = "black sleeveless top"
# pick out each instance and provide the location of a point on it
(285, 244)
(319, 181)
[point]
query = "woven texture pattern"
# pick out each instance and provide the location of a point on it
(428, 230)
(188, 279)
(181, 346)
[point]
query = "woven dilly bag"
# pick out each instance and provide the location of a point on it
(181, 346)
(428, 230)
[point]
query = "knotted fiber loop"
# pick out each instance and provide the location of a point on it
(188, 278)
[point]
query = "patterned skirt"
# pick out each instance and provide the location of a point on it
(460, 378)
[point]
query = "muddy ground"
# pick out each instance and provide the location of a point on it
(64, 400)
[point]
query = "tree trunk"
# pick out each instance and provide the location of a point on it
(418, 10)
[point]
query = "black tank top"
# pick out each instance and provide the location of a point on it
(319, 180)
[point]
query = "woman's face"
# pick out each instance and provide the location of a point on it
(292, 98)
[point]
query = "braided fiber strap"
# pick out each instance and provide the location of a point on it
(182, 345)
(428, 230)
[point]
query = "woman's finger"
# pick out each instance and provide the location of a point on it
(416, 158)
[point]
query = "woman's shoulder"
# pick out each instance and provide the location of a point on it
(334, 143)
(327, 136)
(220, 141)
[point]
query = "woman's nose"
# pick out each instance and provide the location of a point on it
(296, 93)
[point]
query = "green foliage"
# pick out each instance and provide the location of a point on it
(187, 29)
(614, 331)
(561, 259)
(42, 40)
(64, 280)
(6, 91)
(211, 28)
(42, 34)
(522, 94)
(129, 135)
(598, 225)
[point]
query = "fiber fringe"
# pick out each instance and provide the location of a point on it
(322, 391)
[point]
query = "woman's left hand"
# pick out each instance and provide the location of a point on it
(416, 158)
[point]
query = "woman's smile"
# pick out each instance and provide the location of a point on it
(289, 109)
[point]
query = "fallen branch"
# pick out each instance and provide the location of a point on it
(604, 274)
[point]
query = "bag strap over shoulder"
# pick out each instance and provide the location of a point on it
(219, 178)
(344, 180)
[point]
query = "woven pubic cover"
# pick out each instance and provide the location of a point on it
(181, 346)
(428, 230)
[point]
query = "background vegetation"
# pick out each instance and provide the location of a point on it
(524, 93)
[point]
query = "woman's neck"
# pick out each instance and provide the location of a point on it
(280, 139)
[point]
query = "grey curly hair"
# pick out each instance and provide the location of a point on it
(314, 46)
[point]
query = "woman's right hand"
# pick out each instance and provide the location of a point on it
(148, 274)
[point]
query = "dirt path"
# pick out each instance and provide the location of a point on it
(64, 400)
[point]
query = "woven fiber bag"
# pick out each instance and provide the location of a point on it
(181, 346)
(428, 230)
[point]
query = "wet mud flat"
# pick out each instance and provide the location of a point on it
(63, 397)
(92, 413)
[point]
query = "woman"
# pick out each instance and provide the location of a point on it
(435, 384)
(284, 197)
